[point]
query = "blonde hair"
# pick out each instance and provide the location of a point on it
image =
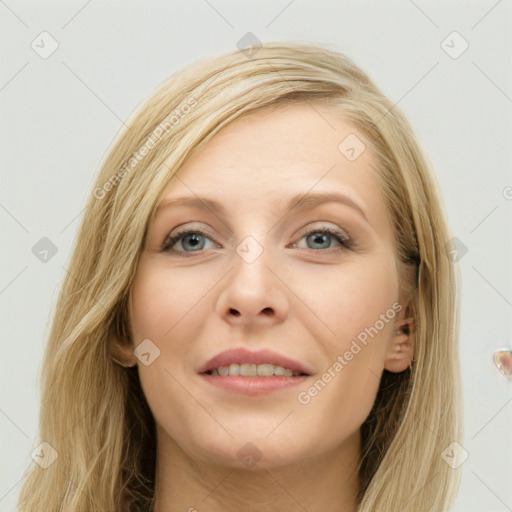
(93, 412)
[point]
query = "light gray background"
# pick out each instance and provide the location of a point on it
(59, 115)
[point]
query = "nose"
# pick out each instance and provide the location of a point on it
(253, 293)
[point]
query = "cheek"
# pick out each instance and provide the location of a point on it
(161, 299)
(354, 300)
(357, 306)
(165, 307)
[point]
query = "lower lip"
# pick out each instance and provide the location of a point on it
(253, 386)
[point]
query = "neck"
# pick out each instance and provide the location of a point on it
(329, 482)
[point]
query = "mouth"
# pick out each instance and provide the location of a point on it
(253, 373)
(254, 370)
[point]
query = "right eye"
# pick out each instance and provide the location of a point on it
(189, 239)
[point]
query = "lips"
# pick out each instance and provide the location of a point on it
(242, 356)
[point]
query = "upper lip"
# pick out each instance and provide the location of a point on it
(243, 355)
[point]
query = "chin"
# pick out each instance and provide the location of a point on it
(251, 451)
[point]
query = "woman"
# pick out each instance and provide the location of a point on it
(207, 354)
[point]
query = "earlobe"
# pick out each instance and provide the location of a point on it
(401, 347)
(122, 355)
(119, 363)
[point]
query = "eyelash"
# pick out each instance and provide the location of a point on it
(338, 235)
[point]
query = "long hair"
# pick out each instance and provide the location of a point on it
(93, 413)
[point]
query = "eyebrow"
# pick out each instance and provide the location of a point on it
(299, 202)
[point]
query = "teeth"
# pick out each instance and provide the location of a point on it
(279, 370)
(248, 370)
(223, 370)
(253, 370)
(265, 370)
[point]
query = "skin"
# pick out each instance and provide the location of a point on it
(308, 301)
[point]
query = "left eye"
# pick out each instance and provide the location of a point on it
(195, 240)
(319, 236)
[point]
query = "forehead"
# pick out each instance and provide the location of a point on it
(267, 157)
(297, 136)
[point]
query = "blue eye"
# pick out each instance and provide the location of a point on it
(318, 235)
(190, 239)
(195, 240)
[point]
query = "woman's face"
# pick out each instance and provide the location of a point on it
(263, 281)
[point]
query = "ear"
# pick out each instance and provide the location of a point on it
(401, 346)
(120, 347)
(121, 353)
